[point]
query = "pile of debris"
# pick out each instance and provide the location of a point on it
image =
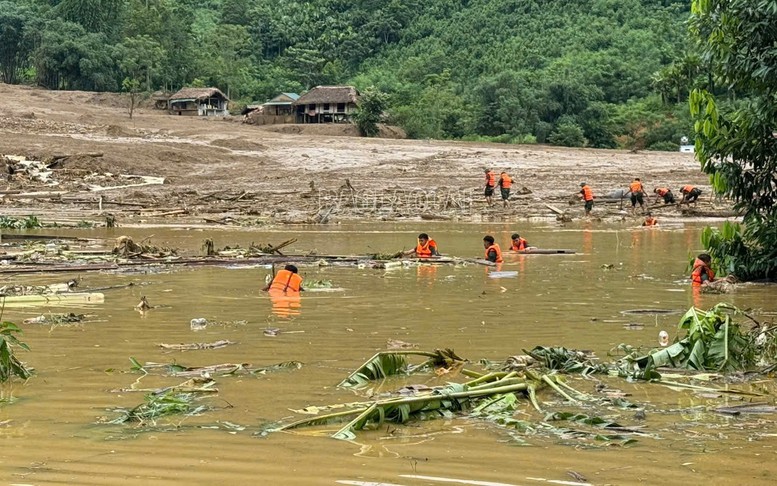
(126, 247)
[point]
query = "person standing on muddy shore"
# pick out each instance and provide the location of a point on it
(637, 195)
(505, 183)
(490, 184)
(588, 197)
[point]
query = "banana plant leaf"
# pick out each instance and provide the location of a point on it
(390, 363)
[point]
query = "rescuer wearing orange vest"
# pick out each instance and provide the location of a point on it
(286, 281)
(690, 194)
(663, 192)
(493, 252)
(588, 196)
(637, 193)
(505, 183)
(702, 272)
(490, 184)
(650, 220)
(425, 248)
(518, 243)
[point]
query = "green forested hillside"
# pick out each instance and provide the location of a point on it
(570, 72)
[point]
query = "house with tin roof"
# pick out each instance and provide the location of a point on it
(198, 102)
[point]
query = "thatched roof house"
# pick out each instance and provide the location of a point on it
(199, 102)
(327, 104)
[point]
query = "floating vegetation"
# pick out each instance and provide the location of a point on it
(10, 365)
(58, 319)
(317, 284)
(713, 342)
(224, 369)
(161, 405)
(30, 222)
(535, 380)
(389, 363)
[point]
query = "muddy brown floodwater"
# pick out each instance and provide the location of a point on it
(52, 433)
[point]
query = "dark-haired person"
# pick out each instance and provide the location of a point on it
(490, 184)
(665, 193)
(505, 183)
(517, 243)
(425, 248)
(286, 281)
(702, 272)
(637, 195)
(493, 252)
(690, 194)
(588, 197)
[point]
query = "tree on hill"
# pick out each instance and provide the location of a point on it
(372, 103)
(736, 143)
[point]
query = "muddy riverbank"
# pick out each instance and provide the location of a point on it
(227, 173)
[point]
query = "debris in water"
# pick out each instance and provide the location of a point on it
(55, 319)
(663, 339)
(186, 347)
(198, 323)
(502, 274)
(397, 344)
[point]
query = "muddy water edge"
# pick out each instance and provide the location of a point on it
(53, 432)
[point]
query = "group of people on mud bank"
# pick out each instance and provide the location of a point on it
(637, 194)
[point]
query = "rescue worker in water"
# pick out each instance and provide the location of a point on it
(518, 243)
(702, 273)
(425, 248)
(287, 281)
(493, 252)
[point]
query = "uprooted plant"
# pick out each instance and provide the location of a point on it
(10, 365)
(713, 341)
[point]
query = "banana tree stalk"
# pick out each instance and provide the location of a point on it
(557, 389)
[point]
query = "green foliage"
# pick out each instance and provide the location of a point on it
(736, 142)
(161, 405)
(713, 342)
(30, 222)
(515, 72)
(371, 106)
(10, 365)
(567, 134)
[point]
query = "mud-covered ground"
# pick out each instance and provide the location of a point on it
(218, 170)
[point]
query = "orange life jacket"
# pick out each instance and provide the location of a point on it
(687, 189)
(651, 221)
(520, 246)
(700, 268)
(498, 251)
(286, 281)
(490, 179)
(588, 194)
(425, 251)
(505, 181)
(635, 187)
(662, 191)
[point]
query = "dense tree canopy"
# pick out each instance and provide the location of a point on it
(736, 140)
(575, 73)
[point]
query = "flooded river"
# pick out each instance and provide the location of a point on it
(54, 433)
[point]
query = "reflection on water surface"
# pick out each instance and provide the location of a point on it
(51, 431)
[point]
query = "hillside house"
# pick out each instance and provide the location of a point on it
(198, 102)
(327, 104)
(281, 105)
